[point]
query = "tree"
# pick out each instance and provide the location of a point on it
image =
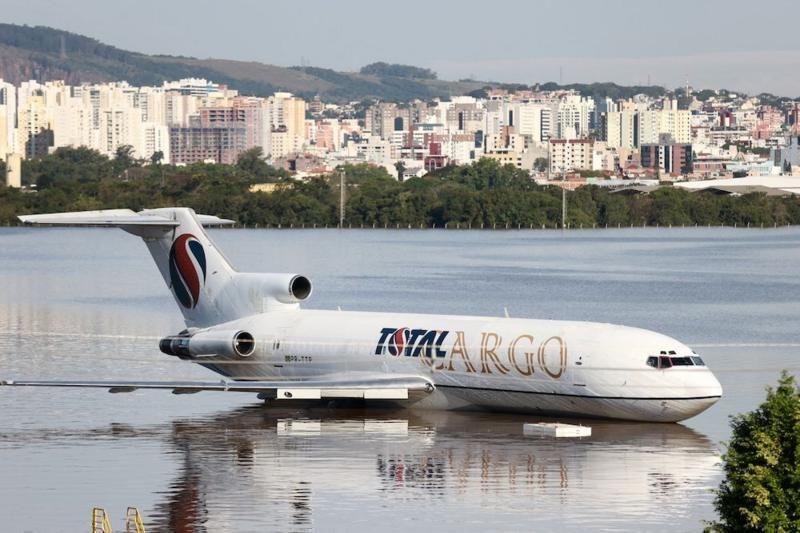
(401, 169)
(541, 164)
(761, 489)
(400, 71)
(252, 162)
(123, 159)
(157, 157)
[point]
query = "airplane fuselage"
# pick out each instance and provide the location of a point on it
(249, 328)
(535, 366)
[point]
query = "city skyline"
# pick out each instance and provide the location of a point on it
(193, 120)
(712, 44)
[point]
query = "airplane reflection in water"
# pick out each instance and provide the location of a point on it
(274, 469)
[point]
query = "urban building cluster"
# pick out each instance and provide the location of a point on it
(553, 134)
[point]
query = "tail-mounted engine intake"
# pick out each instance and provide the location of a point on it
(209, 343)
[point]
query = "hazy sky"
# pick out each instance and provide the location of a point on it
(744, 45)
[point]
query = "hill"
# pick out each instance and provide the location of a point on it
(48, 54)
(44, 54)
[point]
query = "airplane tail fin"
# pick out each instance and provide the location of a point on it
(192, 266)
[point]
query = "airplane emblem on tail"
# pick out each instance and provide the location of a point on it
(187, 269)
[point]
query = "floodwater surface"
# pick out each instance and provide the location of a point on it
(90, 304)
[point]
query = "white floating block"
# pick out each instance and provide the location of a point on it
(386, 394)
(299, 427)
(557, 430)
(299, 394)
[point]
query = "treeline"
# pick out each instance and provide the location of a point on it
(382, 69)
(481, 194)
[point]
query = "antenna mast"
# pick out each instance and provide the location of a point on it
(341, 198)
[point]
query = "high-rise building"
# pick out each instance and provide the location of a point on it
(727, 119)
(155, 139)
(670, 158)
(4, 146)
(574, 115)
(571, 154)
(329, 135)
(383, 119)
(121, 126)
(13, 170)
(464, 117)
(35, 136)
(8, 110)
(793, 118)
(505, 140)
(216, 135)
(664, 126)
(289, 112)
(531, 120)
(620, 129)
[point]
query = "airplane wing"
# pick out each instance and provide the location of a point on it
(371, 388)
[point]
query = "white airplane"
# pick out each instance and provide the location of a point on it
(250, 329)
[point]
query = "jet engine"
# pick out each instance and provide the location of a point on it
(209, 343)
(284, 288)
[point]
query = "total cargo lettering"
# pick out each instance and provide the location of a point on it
(521, 356)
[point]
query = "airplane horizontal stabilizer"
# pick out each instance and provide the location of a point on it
(117, 218)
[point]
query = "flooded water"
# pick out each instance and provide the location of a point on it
(91, 304)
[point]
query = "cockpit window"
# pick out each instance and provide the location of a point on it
(666, 361)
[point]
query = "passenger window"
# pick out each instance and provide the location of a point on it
(698, 361)
(652, 361)
(664, 362)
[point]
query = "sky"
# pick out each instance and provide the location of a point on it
(735, 44)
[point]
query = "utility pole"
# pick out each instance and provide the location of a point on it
(341, 198)
(563, 205)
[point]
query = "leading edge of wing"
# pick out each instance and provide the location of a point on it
(334, 387)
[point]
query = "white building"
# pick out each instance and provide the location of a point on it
(375, 150)
(574, 115)
(665, 125)
(620, 129)
(571, 154)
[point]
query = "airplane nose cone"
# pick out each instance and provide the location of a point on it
(708, 392)
(714, 386)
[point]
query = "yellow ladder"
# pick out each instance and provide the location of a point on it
(133, 521)
(100, 521)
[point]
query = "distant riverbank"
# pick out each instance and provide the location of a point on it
(495, 227)
(480, 196)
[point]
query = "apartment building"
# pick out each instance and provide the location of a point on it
(215, 135)
(670, 159)
(571, 154)
(574, 116)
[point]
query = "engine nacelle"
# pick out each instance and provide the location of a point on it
(285, 288)
(209, 343)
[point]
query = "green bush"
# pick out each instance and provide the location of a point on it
(761, 489)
